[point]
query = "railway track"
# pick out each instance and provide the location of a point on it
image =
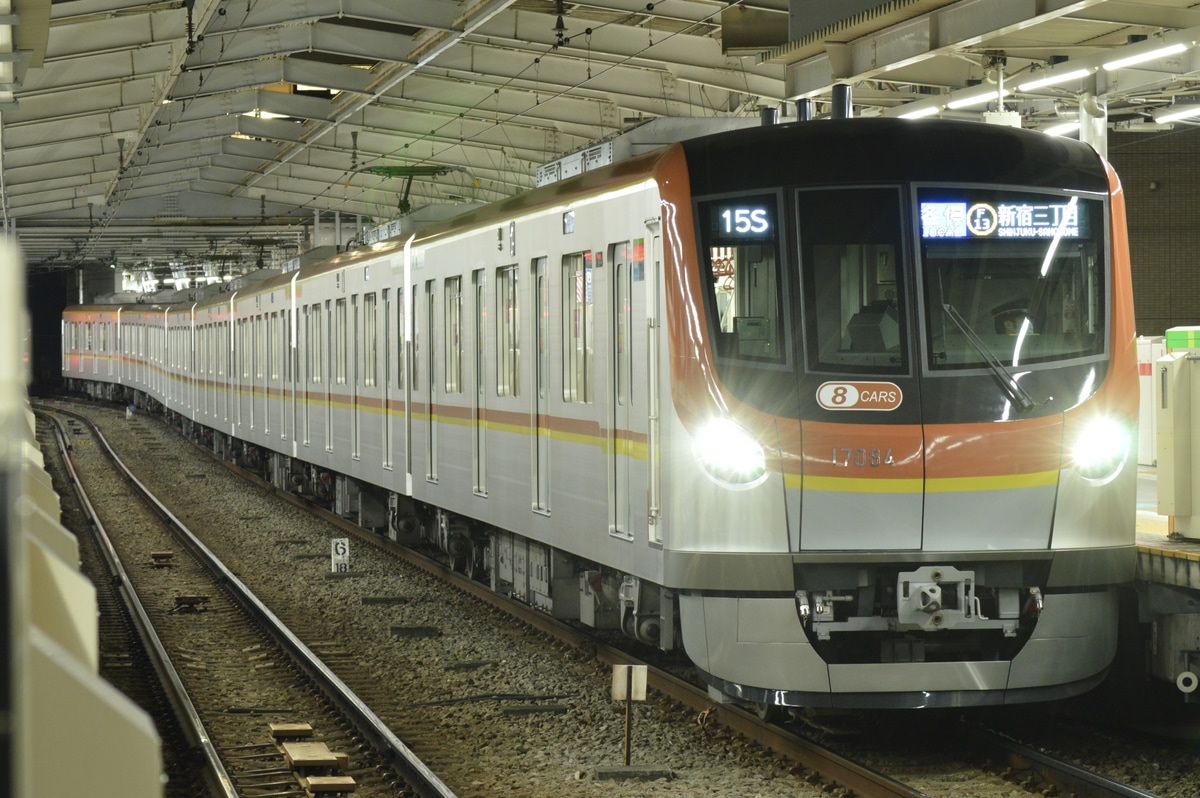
(125, 657)
(807, 765)
(267, 714)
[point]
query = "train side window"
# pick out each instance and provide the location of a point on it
(387, 338)
(854, 311)
(622, 259)
(453, 333)
(401, 337)
(244, 351)
(273, 346)
(314, 344)
(370, 340)
(285, 341)
(339, 342)
(541, 312)
(416, 345)
(508, 339)
(479, 368)
(260, 348)
(577, 324)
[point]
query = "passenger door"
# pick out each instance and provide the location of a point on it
(627, 400)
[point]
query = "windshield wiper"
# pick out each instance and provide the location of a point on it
(1019, 396)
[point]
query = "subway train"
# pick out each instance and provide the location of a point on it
(843, 408)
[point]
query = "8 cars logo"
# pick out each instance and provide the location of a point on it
(859, 396)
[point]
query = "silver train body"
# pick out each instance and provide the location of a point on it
(740, 395)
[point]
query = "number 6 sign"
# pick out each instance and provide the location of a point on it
(340, 555)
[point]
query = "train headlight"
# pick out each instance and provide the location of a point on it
(1101, 449)
(730, 454)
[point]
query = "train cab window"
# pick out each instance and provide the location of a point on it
(740, 246)
(1010, 276)
(854, 313)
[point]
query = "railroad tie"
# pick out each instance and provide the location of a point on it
(314, 766)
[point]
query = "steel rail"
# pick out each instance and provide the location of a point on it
(839, 770)
(835, 768)
(423, 781)
(219, 781)
(1068, 779)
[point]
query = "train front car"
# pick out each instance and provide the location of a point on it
(898, 473)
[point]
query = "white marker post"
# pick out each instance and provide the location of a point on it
(340, 555)
(629, 685)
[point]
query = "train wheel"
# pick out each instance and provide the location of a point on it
(474, 566)
(768, 713)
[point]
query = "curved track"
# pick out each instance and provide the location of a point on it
(821, 768)
(206, 587)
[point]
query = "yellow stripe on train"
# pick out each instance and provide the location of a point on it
(941, 485)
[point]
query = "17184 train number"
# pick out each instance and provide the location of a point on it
(862, 458)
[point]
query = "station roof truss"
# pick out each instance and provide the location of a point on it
(190, 132)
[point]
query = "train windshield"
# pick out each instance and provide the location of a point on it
(854, 307)
(1014, 277)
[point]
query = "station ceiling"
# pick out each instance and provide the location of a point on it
(214, 134)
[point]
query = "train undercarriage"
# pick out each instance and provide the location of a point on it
(548, 579)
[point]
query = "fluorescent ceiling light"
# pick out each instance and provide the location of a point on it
(1053, 79)
(974, 99)
(1160, 52)
(928, 110)
(1063, 129)
(1174, 112)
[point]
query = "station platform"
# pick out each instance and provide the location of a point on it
(1162, 557)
